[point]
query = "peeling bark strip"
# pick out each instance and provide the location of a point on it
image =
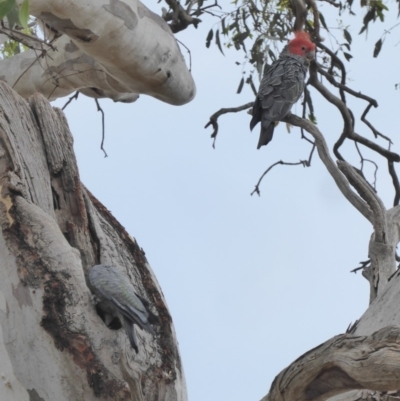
(344, 363)
(123, 11)
(117, 49)
(67, 26)
(51, 231)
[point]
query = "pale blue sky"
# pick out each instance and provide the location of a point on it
(251, 282)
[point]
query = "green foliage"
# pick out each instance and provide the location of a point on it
(10, 48)
(375, 9)
(15, 15)
(24, 14)
(378, 47)
(257, 27)
(347, 36)
(253, 28)
(6, 7)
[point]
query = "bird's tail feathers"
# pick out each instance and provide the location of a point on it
(130, 332)
(257, 110)
(267, 132)
(144, 325)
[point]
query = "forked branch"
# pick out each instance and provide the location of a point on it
(214, 118)
(304, 163)
(369, 195)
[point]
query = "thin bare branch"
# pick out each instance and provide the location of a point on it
(338, 63)
(375, 171)
(367, 193)
(102, 125)
(352, 92)
(27, 40)
(306, 102)
(340, 105)
(363, 160)
(188, 50)
(374, 131)
(214, 118)
(348, 121)
(74, 96)
(363, 265)
(396, 183)
(325, 157)
(24, 72)
(304, 163)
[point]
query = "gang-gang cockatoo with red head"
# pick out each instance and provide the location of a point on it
(282, 85)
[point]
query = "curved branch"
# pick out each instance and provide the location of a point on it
(32, 42)
(372, 102)
(214, 118)
(338, 63)
(102, 127)
(331, 98)
(333, 170)
(300, 11)
(396, 183)
(374, 131)
(348, 121)
(341, 364)
(304, 163)
(352, 92)
(368, 194)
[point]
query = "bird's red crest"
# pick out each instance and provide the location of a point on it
(301, 39)
(304, 36)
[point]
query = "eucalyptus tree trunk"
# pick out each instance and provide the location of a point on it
(53, 345)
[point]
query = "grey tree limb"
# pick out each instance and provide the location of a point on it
(324, 154)
(344, 363)
(119, 49)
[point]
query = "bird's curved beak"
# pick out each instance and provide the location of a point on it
(310, 55)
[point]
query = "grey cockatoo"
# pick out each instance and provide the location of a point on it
(117, 298)
(282, 85)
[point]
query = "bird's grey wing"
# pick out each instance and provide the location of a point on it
(116, 288)
(287, 86)
(270, 78)
(134, 315)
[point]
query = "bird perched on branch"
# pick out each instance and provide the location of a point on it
(282, 85)
(117, 299)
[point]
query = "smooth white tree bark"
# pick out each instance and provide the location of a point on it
(53, 345)
(108, 48)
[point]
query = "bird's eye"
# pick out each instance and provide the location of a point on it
(303, 48)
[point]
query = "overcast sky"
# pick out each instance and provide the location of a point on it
(251, 282)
